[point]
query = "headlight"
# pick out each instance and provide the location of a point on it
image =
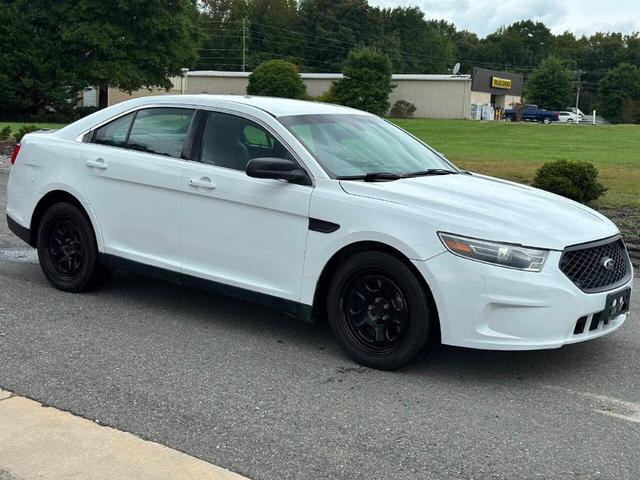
(502, 254)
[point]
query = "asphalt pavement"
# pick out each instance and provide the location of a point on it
(270, 397)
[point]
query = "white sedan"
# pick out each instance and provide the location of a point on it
(568, 117)
(324, 212)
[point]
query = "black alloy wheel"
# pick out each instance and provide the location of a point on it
(67, 249)
(378, 310)
(375, 311)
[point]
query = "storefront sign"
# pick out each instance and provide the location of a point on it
(504, 83)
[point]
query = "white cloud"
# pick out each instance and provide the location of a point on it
(485, 16)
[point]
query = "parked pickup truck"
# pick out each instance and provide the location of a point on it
(531, 113)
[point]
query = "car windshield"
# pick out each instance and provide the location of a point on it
(353, 146)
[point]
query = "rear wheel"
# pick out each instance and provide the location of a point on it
(67, 249)
(378, 310)
(546, 121)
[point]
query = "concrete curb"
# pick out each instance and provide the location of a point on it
(41, 442)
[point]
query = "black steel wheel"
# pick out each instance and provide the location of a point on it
(378, 310)
(67, 249)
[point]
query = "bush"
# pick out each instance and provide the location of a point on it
(576, 180)
(276, 78)
(367, 82)
(24, 130)
(5, 133)
(403, 109)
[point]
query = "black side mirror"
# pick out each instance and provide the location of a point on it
(275, 168)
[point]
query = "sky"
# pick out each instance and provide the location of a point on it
(582, 17)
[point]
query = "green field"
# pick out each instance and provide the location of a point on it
(515, 150)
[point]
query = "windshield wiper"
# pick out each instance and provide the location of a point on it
(430, 171)
(373, 177)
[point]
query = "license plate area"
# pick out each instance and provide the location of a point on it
(617, 304)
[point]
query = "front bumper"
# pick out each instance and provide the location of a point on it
(496, 308)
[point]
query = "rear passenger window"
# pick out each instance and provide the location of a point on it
(114, 133)
(160, 130)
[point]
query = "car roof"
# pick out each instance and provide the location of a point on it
(278, 107)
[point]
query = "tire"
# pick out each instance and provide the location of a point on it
(378, 310)
(546, 121)
(508, 119)
(570, 120)
(67, 250)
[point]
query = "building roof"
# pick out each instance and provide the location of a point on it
(335, 76)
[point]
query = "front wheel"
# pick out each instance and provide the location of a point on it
(546, 121)
(378, 310)
(67, 249)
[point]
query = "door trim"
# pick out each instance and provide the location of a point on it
(289, 307)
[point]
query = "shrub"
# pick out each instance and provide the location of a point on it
(276, 78)
(367, 82)
(403, 109)
(24, 130)
(5, 133)
(576, 180)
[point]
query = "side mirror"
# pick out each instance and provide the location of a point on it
(275, 168)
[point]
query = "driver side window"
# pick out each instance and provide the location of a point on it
(230, 142)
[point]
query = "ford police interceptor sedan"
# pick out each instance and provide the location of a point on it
(324, 212)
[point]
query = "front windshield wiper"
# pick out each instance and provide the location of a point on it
(373, 177)
(430, 171)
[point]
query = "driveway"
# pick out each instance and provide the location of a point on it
(269, 397)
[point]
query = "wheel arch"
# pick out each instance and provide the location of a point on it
(330, 267)
(59, 196)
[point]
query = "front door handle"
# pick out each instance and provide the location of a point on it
(97, 163)
(204, 182)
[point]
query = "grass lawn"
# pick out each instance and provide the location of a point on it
(515, 150)
(15, 126)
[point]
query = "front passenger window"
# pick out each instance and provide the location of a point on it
(231, 141)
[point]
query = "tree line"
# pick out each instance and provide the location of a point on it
(50, 48)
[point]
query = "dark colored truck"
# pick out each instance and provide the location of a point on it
(530, 113)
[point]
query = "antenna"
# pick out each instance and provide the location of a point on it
(456, 69)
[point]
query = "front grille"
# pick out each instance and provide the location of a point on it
(584, 265)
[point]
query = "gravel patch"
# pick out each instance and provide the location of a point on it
(5, 156)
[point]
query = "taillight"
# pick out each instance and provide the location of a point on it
(14, 155)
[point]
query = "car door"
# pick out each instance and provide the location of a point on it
(530, 113)
(241, 231)
(133, 180)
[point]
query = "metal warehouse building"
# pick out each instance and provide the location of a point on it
(435, 96)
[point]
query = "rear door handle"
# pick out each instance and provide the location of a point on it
(97, 163)
(204, 182)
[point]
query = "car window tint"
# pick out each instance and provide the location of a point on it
(160, 130)
(256, 136)
(114, 133)
(231, 141)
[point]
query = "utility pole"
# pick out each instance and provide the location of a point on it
(244, 45)
(580, 72)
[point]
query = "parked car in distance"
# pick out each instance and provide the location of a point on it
(568, 117)
(530, 113)
(324, 212)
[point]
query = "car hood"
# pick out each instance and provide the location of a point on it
(492, 209)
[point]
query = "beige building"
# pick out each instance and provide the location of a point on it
(435, 96)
